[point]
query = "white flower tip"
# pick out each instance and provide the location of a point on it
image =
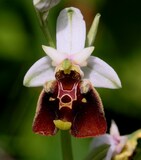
(92, 48)
(117, 83)
(44, 48)
(26, 81)
(47, 49)
(114, 129)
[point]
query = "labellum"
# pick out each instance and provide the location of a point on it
(69, 103)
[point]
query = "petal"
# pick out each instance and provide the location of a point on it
(45, 114)
(56, 56)
(39, 73)
(71, 31)
(101, 74)
(81, 57)
(89, 119)
(114, 130)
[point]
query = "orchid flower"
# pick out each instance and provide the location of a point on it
(71, 35)
(68, 74)
(116, 142)
(130, 150)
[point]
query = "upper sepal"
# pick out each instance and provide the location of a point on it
(101, 74)
(71, 31)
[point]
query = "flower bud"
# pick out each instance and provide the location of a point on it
(45, 5)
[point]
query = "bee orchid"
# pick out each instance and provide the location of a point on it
(114, 139)
(68, 75)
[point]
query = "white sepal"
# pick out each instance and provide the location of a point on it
(39, 73)
(101, 74)
(71, 31)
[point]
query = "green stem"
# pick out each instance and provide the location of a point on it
(45, 27)
(66, 146)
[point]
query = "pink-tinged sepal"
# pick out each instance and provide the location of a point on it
(89, 119)
(46, 112)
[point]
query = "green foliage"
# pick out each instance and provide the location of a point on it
(98, 153)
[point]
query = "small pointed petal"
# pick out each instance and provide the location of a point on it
(101, 74)
(93, 30)
(89, 119)
(81, 57)
(39, 73)
(45, 114)
(71, 31)
(114, 130)
(56, 56)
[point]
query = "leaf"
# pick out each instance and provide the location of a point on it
(137, 152)
(98, 153)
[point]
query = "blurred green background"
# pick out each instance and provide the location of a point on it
(118, 43)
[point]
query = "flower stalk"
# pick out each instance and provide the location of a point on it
(66, 145)
(45, 27)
